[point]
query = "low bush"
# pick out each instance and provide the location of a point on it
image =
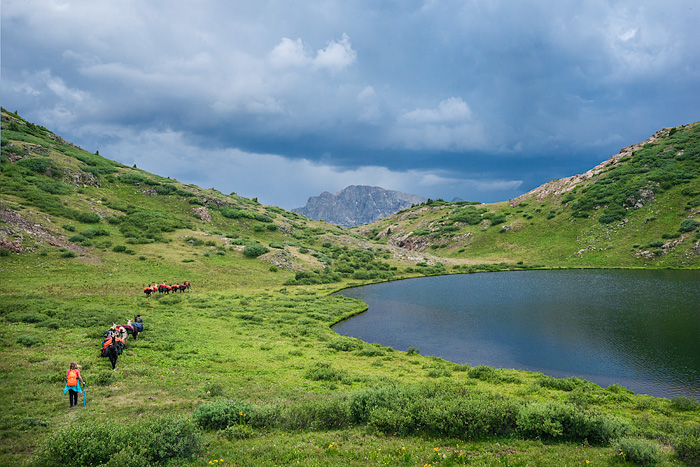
(442, 410)
(222, 413)
(687, 445)
(484, 373)
(557, 421)
(87, 217)
(157, 440)
(329, 413)
(689, 225)
(324, 372)
(35, 164)
(95, 232)
(684, 403)
(563, 384)
(345, 344)
(28, 317)
(28, 340)
(54, 187)
(638, 451)
(254, 250)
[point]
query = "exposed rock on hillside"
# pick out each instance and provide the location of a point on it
(357, 205)
(16, 226)
(565, 185)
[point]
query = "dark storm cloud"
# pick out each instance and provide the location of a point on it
(477, 99)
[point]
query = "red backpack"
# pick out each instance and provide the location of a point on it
(72, 378)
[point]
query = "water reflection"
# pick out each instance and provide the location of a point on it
(637, 328)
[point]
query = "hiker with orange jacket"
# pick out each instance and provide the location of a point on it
(72, 385)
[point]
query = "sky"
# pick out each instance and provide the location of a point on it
(282, 100)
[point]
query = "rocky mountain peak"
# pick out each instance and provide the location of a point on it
(357, 204)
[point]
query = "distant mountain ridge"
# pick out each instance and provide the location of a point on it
(357, 204)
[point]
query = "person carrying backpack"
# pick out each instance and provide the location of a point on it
(72, 384)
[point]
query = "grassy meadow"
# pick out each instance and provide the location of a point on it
(245, 369)
(259, 378)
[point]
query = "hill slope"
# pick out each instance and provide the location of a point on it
(355, 205)
(248, 356)
(640, 208)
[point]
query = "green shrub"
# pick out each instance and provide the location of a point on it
(165, 438)
(638, 451)
(557, 421)
(119, 248)
(684, 403)
(105, 442)
(35, 164)
(149, 224)
(562, 384)
(439, 372)
(324, 372)
(371, 352)
(484, 373)
(87, 217)
(31, 422)
(77, 238)
(29, 341)
(442, 410)
(68, 227)
(134, 179)
(68, 254)
(364, 402)
(95, 232)
(54, 187)
(254, 250)
(689, 225)
(219, 414)
(345, 344)
(329, 413)
(4, 252)
(611, 216)
(656, 243)
(687, 445)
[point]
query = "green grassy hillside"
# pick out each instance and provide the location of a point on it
(641, 208)
(244, 370)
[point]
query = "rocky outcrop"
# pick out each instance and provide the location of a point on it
(564, 185)
(80, 178)
(357, 205)
(203, 213)
(16, 225)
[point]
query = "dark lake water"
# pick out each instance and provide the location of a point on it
(636, 328)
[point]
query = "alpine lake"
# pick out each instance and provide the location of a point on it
(633, 327)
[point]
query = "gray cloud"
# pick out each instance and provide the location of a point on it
(474, 94)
